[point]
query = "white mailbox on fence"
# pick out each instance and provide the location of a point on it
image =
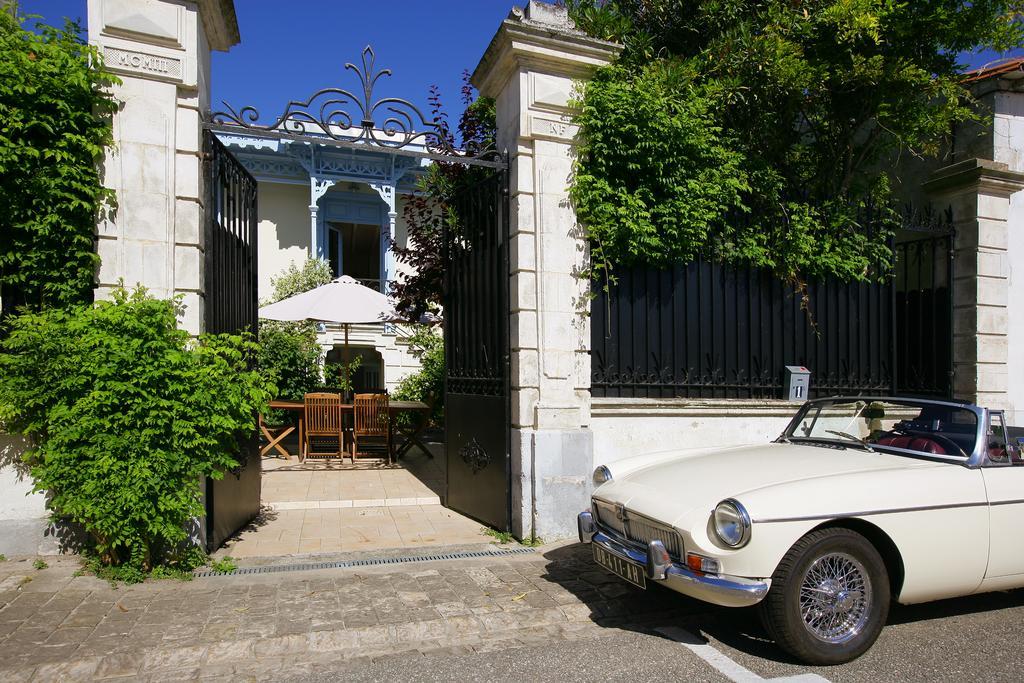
(798, 382)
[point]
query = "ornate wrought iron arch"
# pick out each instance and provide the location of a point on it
(339, 117)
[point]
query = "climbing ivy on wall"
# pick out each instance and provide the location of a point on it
(55, 124)
(760, 131)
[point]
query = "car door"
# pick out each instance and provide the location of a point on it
(1003, 472)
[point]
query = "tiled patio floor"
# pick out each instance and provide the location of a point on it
(313, 484)
(329, 506)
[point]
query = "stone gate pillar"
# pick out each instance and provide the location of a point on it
(531, 68)
(161, 51)
(979, 191)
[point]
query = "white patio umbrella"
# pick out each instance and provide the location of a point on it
(342, 301)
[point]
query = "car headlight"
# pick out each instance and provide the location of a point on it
(732, 523)
(602, 475)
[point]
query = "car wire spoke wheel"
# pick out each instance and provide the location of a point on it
(835, 598)
(829, 598)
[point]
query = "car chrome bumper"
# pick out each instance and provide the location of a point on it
(718, 589)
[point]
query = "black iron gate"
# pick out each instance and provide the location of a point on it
(231, 306)
(476, 331)
(923, 313)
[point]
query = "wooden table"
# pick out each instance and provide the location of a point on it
(411, 435)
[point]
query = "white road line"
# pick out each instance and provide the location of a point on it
(724, 665)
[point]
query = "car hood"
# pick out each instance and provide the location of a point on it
(670, 489)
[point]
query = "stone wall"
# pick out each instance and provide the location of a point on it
(625, 427)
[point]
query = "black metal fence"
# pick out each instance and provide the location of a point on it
(707, 330)
(476, 296)
(924, 315)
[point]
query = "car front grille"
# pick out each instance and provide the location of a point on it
(638, 529)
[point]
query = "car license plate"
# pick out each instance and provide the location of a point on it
(624, 569)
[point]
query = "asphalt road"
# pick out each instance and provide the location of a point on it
(975, 639)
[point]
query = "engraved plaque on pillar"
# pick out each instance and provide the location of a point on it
(143, 63)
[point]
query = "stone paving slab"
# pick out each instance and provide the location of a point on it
(55, 626)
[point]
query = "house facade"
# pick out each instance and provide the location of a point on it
(344, 205)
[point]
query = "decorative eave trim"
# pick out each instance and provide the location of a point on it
(986, 175)
(221, 23)
(519, 42)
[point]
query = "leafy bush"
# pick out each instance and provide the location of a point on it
(428, 384)
(225, 565)
(55, 110)
(126, 414)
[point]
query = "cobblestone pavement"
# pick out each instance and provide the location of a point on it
(548, 616)
(56, 626)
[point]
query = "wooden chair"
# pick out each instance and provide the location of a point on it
(274, 437)
(370, 423)
(323, 421)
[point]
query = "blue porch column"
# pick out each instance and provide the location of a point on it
(317, 188)
(388, 193)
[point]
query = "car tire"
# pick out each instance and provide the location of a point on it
(829, 597)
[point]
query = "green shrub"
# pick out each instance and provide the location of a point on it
(126, 414)
(294, 280)
(428, 384)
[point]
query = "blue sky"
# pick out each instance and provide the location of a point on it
(289, 50)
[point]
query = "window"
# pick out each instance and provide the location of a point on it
(355, 250)
(334, 251)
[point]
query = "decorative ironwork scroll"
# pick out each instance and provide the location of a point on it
(357, 117)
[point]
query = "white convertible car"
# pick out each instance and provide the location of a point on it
(861, 501)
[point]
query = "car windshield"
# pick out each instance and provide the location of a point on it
(903, 426)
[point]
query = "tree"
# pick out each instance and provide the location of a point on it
(426, 384)
(56, 112)
(430, 215)
(758, 130)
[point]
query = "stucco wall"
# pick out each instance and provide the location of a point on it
(284, 226)
(23, 516)
(627, 427)
(283, 230)
(284, 239)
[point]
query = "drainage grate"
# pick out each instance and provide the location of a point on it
(372, 562)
